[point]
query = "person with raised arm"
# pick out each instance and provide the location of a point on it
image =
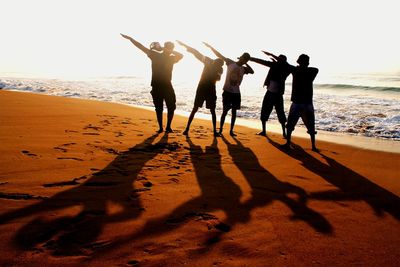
(279, 70)
(302, 100)
(162, 65)
(231, 97)
(206, 91)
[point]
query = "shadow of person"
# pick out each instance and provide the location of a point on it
(86, 206)
(266, 188)
(218, 192)
(351, 185)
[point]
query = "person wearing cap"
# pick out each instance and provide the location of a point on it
(302, 99)
(212, 72)
(279, 70)
(231, 97)
(162, 64)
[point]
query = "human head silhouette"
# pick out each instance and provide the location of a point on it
(168, 47)
(282, 58)
(303, 60)
(244, 58)
(218, 62)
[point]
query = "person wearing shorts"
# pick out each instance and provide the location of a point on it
(205, 92)
(275, 83)
(162, 63)
(231, 97)
(302, 100)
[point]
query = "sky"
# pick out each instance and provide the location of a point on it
(76, 38)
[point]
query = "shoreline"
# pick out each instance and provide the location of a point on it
(363, 142)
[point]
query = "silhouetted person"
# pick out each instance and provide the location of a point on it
(302, 99)
(231, 96)
(206, 88)
(275, 83)
(161, 64)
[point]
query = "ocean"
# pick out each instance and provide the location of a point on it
(365, 105)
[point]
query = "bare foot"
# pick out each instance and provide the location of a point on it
(262, 133)
(232, 133)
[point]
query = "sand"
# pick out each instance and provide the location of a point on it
(85, 183)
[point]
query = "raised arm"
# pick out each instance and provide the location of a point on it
(196, 53)
(136, 43)
(271, 55)
(261, 61)
(218, 54)
(248, 69)
(178, 56)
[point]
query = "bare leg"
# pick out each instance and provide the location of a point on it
(233, 119)
(191, 116)
(314, 148)
(264, 128)
(283, 130)
(159, 114)
(288, 138)
(214, 122)
(223, 115)
(170, 116)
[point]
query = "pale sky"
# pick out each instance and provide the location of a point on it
(67, 38)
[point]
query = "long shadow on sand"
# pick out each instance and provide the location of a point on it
(266, 188)
(77, 234)
(351, 185)
(218, 192)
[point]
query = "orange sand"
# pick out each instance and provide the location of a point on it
(88, 183)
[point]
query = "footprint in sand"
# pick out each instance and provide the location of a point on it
(77, 159)
(26, 152)
(133, 263)
(93, 127)
(174, 180)
(3, 183)
(62, 147)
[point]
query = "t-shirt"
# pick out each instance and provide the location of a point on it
(234, 76)
(211, 73)
(302, 85)
(161, 66)
(277, 74)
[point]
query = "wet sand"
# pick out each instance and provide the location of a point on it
(90, 183)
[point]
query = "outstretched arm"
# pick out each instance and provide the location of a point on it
(196, 53)
(136, 43)
(270, 54)
(261, 61)
(218, 54)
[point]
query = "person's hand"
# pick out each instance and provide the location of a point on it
(181, 43)
(267, 53)
(206, 44)
(126, 36)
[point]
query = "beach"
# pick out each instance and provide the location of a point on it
(90, 183)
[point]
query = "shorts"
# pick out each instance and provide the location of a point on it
(231, 100)
(306, 112)
(207, 94)
(164, 93)
(270, 101)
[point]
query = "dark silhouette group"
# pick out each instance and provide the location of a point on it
(163, 59)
